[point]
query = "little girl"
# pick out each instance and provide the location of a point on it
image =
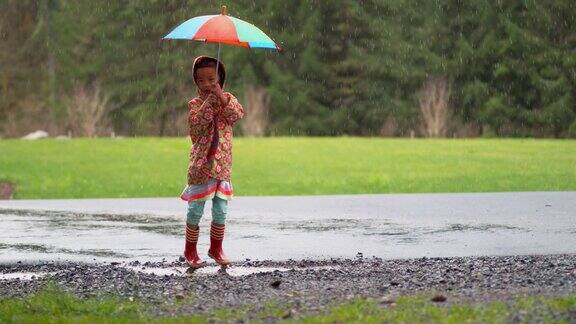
(212, 115)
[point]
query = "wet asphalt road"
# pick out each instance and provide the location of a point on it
(281, 228)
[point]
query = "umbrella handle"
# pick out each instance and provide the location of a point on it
(218, 62)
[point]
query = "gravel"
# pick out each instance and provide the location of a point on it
(307, 285)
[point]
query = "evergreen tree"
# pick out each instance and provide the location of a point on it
(22, 55)
(348, 67)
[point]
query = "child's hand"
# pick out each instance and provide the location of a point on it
(212, 101)
(217, 91)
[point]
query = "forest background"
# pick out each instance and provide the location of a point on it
(418, 68)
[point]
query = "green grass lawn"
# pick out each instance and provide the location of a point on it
(53, 305)
(146, 167)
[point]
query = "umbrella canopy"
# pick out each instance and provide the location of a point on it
(223, 29)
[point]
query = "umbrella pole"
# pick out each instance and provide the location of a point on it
(222, 12)
(217, 63)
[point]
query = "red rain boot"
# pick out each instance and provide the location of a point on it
(216, 238)
(190, 252)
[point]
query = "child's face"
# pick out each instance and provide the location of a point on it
(206, 78)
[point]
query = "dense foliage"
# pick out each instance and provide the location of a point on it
(348, 67)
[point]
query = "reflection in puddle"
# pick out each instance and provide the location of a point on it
(252, 237)
(52, 250)
(408, 240)
(168, 229)
(68, 219)
(314, 226)
(389, 233)
(335, 224)
(414, 235)
(212, 270)
(478, 227)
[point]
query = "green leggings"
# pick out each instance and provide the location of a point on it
(196, 209)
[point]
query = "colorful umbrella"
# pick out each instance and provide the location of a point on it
(223, 29)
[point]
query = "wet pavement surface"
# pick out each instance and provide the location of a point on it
(282, 228)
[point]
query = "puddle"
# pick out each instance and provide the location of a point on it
(24, 275)
(212, 270)
(235, 271)
(391, 226)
